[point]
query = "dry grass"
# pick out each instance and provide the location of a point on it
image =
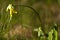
(18, 29)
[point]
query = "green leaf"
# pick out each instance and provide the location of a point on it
(50, 37)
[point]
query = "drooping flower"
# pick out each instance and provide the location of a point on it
(11, 10)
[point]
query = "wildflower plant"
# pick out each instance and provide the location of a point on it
(40, 33)
(11, 9)
(6, 26)
(52, 34)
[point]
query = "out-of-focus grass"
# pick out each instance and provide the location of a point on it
(27, 19)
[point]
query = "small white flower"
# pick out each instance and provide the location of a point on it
(39, 30)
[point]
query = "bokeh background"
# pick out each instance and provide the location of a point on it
(23, 23)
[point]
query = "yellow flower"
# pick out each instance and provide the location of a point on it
(11, 9)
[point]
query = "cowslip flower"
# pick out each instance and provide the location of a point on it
(11, 9)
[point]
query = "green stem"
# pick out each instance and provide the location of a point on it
(33, 10)
(55, 35)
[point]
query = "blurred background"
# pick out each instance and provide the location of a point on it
(26, 20)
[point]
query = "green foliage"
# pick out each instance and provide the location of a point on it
(26, 17)
(50, 35)
(56, 35)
